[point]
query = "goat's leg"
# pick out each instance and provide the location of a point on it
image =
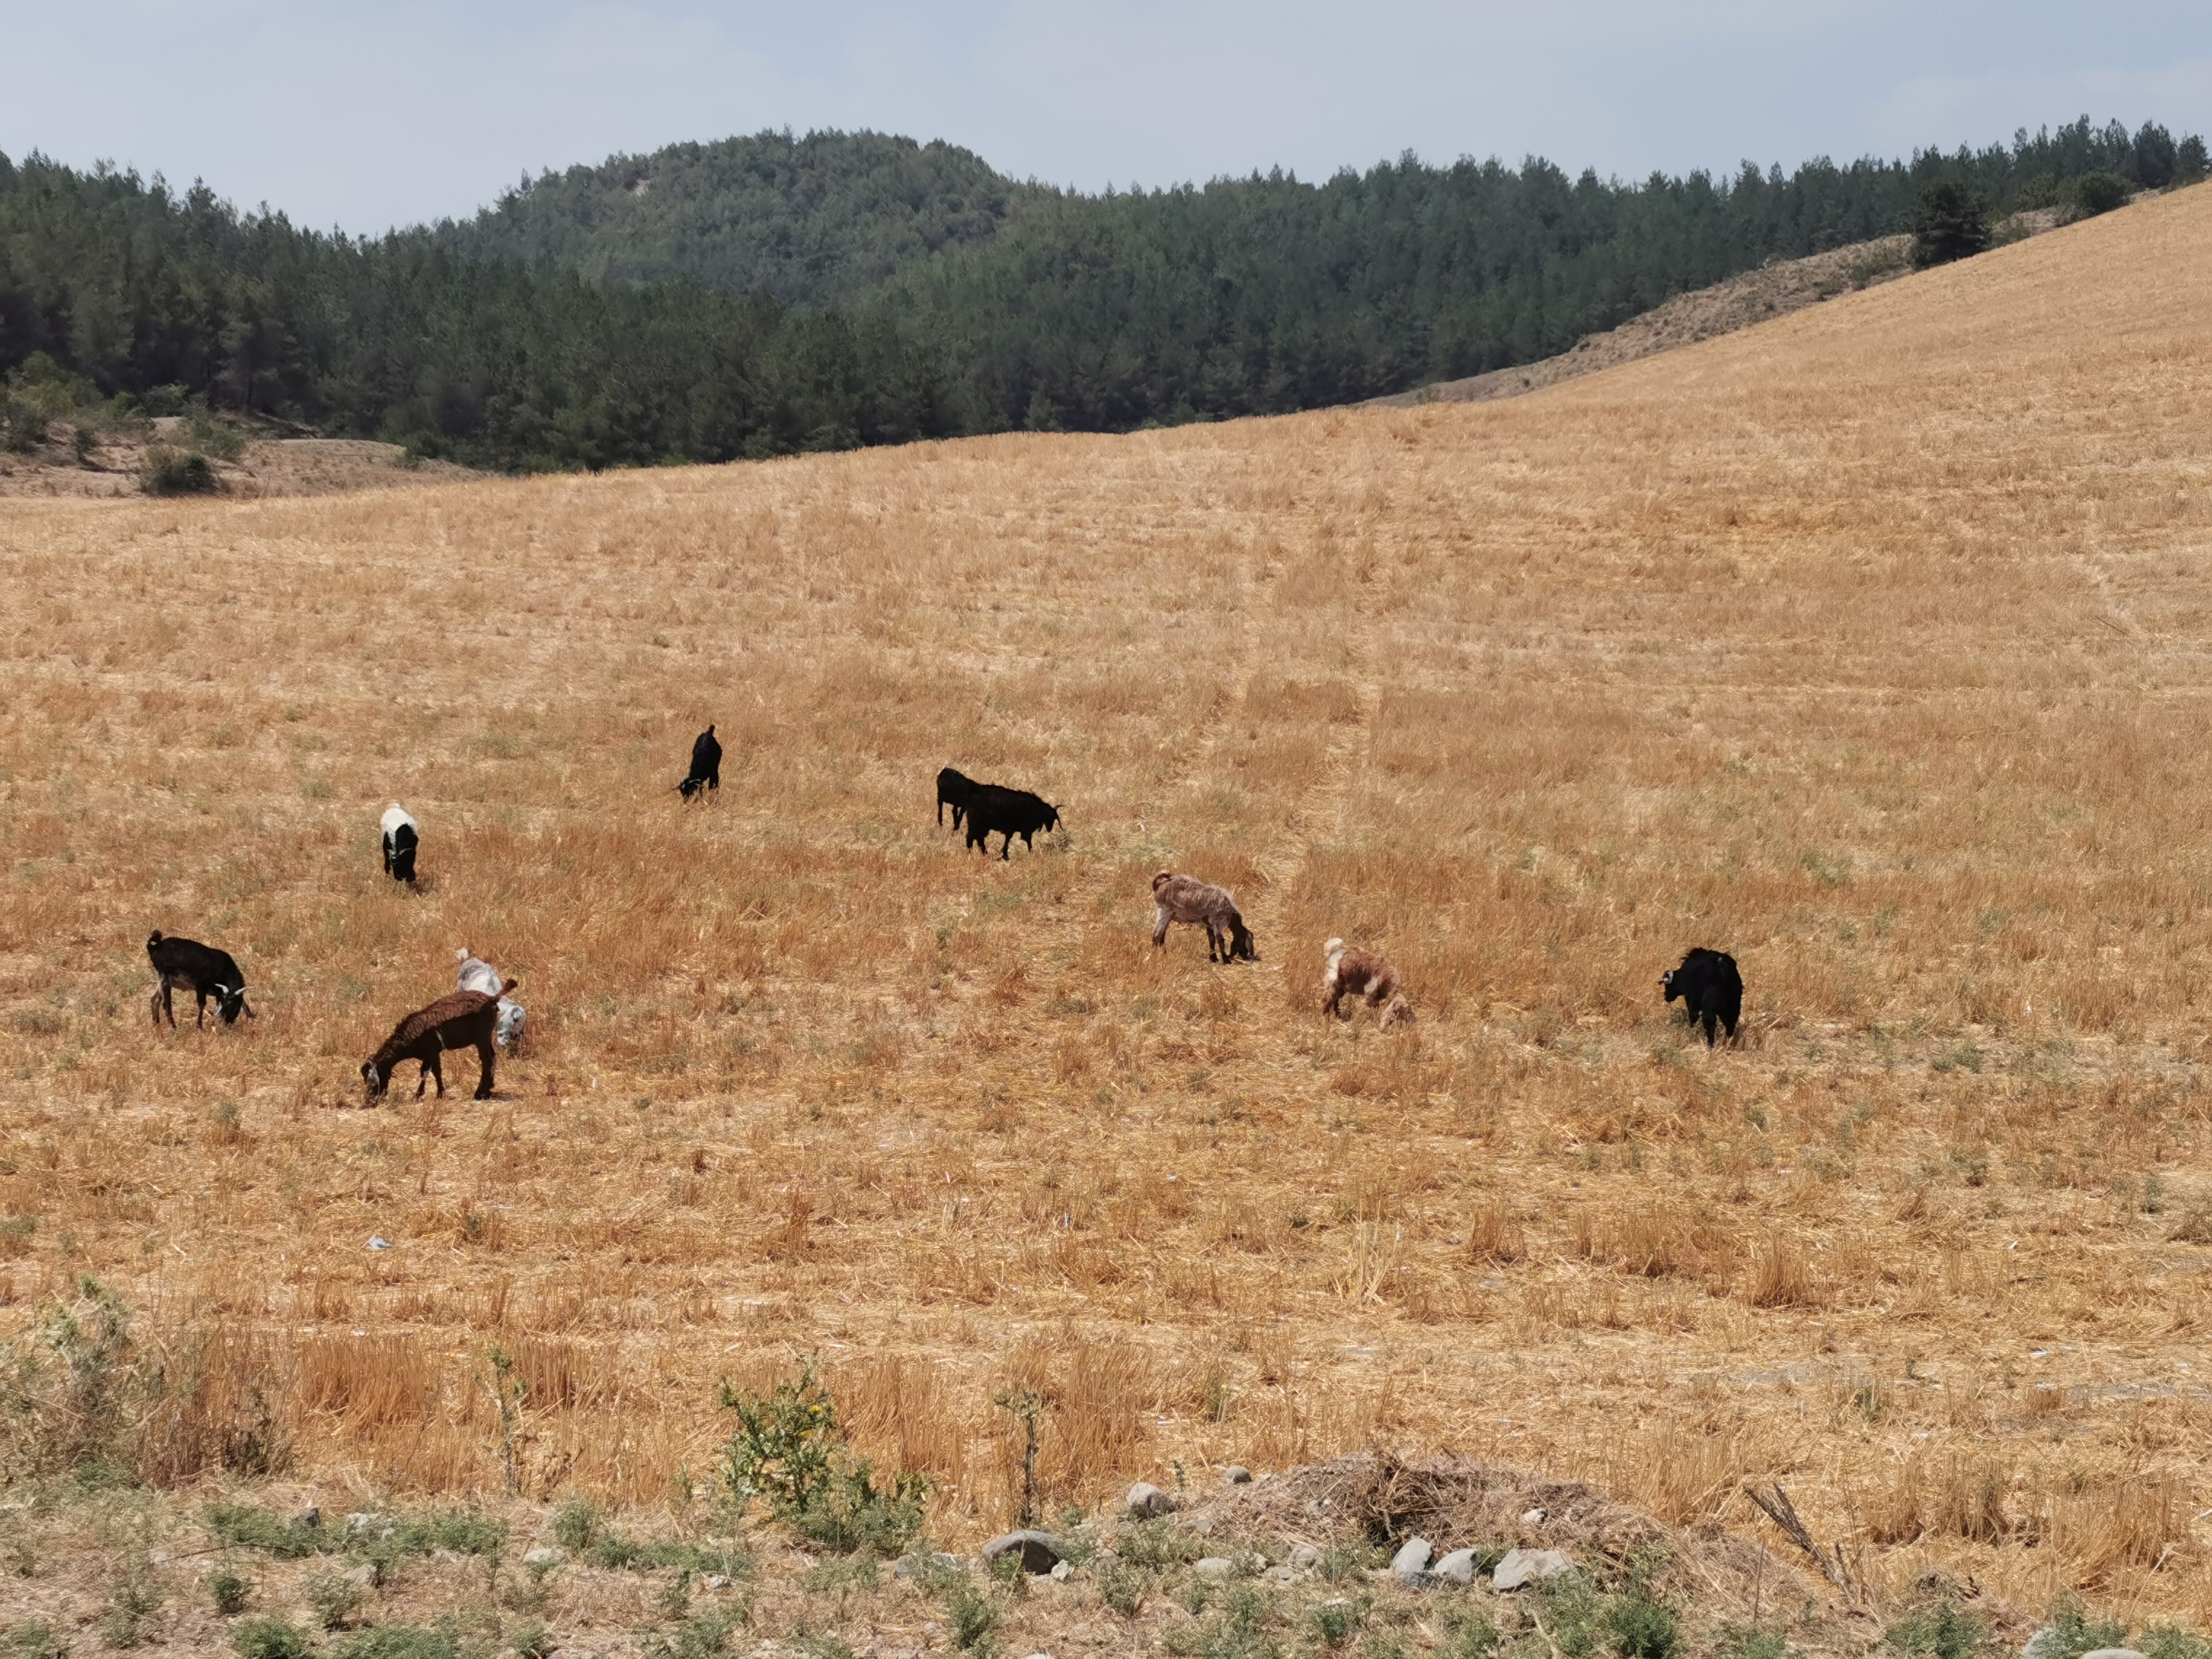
(1160, 919)
(483, 1054)
(1708, 1019)
(199, 1013)
(154, 1003)
(1006, 844)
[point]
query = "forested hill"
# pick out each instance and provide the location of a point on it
(773, 295)
(809, 221)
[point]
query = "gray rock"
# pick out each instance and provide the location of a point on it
(1522, 1567)
(1534, 1517)
(310, 1518)
(363, 1523)
(715, 1580)
(920, 1565)
(1236, 1475)
(1146, 1500)
(1064, 1571)
(545, 1555)
(1457, 1568)
(1038, 1551)
(2046, 1643)
(364, 1575)
(2113, 1653)
(1281, 1575)
(1200, 1524)
(1411, 1563)
(1214, 1567)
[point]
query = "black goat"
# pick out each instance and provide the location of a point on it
(1710, 989)
(953, 789)
(1011, 812)
(706, 771)
(202, 969)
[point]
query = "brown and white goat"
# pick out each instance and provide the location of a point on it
(1362, 975)
(1185, 899)
(459, 1019)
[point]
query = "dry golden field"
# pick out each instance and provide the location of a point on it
(1870, 645)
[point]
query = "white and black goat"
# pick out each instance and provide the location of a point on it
(402, 835)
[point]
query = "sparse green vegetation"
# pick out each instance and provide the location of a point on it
(1943, 1630)
(269, 1638)
(787, 1450)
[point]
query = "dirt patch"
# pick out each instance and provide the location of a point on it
(268, 466)
(1757, 297)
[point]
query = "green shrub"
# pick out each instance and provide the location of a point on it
(251, 1526)
(705, 1634)
(269, 1638)
(335, 1598)
(1945, 1631)
(1335, 1619)
(2172, 1641)
(531, 1641)
(974, 1617)
(787, 1450)
(1750, 1641)
(576, 1524)
(32, 1641)
(2093, 193)
(214, 438)
(2073, 1632)
(398, 1642)
(168, 471)
(228, 1592)
(1156, 1545)
(1469, 1634)
(1122, 1587)
(123, 1622)
(66, 1391)
(1641, 1626)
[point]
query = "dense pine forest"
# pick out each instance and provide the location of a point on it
(768, 295)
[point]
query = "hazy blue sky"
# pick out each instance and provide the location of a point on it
(367, 115)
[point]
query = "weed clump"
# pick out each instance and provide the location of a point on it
(1943, 1631)
(787, 1450)
(269, 1638)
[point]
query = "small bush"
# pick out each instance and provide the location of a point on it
(2073, 1632)
(1157, 1545)
(1122, 1587)
(398, 1642)
(1468, 1635)
(269, 1638)
(32, 1641)
(2173, 1642)
(1945, 1631)
(2093, 193)
(1750, 1641)
(335, 1598)
(228, 1592)
(1334, 1620)
(787, 1450)
(66, 1391)
(974, 1617)
(1641, 1626)
(251, 1526)
(169, 471)
(123, 1623)
(531, 1641)
(705, 1634)
(576, 1524)
(212, 438)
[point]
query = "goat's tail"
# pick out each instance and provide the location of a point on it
(509, 985)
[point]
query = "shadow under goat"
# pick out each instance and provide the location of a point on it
(202, 969)
(459, 1019)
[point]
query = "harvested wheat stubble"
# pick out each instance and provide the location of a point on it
(1860, 644)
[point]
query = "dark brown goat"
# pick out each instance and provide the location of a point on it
(459, 1019)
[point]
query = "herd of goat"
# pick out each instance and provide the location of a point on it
(479, 1013)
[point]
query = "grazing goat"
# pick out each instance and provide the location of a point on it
(1185, 899)
(1011, 812)
(204, 970)
(1362, 975)
(459, 1019)
(953, 789)
(402, 835)
(1710, 989)
(706, 771)
(477, 975)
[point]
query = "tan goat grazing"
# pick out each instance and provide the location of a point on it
(1185, 899)
(459, 1019)
(1362, 975)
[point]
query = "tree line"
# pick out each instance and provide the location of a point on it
(521, 342)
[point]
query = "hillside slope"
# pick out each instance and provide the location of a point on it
(1867, 644)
